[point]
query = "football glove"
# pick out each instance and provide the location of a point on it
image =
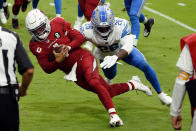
(109, 61)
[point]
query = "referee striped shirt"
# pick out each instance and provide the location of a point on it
(12, 52)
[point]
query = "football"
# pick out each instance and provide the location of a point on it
(51, 56)
(58, 49)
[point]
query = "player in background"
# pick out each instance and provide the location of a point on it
(15, 10)
(79, 64)
(57, 3)
(4, 12)
(79, 19)
(85, 8)
(186, 80)
(114, 41)
(134, 8)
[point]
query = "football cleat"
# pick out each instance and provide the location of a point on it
(78, 23)
(2, 17)
(165, 99)
(148, 25)
(115, 120)
(140, 86)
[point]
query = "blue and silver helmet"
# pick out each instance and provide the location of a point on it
(103, 20)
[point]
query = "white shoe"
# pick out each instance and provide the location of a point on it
(165, 99)
(2, 17)
(140, 86)
(78, 23)
(115, 120)
(88, 46)
(108, 81)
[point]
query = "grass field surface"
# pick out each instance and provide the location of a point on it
(53, 104)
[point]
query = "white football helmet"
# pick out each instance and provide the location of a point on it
(38, 24)
(103, 20)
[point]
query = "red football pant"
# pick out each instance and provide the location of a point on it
(88, 78)
(17, 5)
(87, 7)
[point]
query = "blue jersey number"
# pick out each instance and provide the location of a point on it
(118, 22)
(110, 48)
(88, 26)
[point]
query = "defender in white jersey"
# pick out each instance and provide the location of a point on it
(113, 40)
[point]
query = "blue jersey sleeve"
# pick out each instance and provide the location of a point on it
(86, 29)
(126, 30)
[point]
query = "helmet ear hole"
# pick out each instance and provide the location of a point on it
(103, 20)
(38, 24)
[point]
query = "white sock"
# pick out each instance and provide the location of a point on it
(5, 4)
(80, 18)
(130, 86)
(112, 111)
(135, 41)
(58, 15)
(145, 20)
(15, 17)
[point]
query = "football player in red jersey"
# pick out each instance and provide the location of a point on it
(79, 64)
(85, 8)
(15, 10)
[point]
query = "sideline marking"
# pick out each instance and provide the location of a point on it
(171, 19)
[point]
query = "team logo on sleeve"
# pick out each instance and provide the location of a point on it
(47, 41)
(57, 35)
(39, 50)
(55, 45)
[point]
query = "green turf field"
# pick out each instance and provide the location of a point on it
(53, 104)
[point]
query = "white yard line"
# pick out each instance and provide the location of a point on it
(170, 19)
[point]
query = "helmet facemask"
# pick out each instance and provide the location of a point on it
(41, 32)
(38, 25)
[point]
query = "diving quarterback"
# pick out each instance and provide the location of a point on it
(79, 64)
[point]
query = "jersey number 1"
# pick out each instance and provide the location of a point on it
(5, 63)
(110, 48)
